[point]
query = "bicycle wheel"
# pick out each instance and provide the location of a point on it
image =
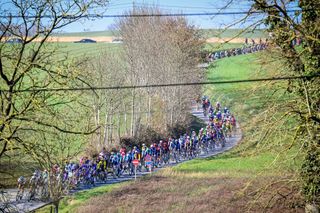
(30, 196)
(18, 197)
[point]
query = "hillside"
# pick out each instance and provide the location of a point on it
(226, 183)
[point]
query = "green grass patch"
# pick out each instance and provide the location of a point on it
(231, 164)
(78, 50)
(221, 46)
(235, 165)
(230, 33)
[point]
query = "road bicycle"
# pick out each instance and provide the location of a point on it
(31, 194)
(5, 205)
(20, 193)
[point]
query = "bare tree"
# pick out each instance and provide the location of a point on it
(108, 69)
(32, 65)
(160, 49)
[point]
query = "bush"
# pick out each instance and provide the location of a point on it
(146, 136)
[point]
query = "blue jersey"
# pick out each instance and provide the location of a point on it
(153, 151)
(177, 145)
(115, 159)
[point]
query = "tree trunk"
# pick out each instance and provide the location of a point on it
(132, 113)
(125, 118)
(56, 206)
(105, 135)
(171, 116)
(111, 127)
(98, 123)
(119, 126)
(149, 110)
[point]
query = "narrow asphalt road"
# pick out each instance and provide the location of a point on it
(24, 206)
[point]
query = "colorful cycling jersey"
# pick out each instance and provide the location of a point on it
(171, 145)
(177, 145)
(123, 152)
(153, 150)
(129, 157)
(165, 146)
(144, 151)
(115, 160)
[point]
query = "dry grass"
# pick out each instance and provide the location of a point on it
(189, 193)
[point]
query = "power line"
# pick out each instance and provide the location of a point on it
(146, 15)
(163, 85)
(143, 5)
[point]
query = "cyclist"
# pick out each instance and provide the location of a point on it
(158, 153)
(115, 160)
(144, 150)
(233, 122)
(128, 162)
(218, 106)
(165, 151)
(21, 183)
(44, 180)
(33, 186)
(123, 152)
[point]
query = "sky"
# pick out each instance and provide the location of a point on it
(117, 7)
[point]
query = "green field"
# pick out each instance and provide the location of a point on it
(207, 33)
(84, 50)
(86, 34)
(80, 49)
(230, 33)
(221, 46)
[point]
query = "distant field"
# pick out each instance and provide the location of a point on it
(87, 34)
(83, 49)
(92, 49)
(230, 33)
(207, 33)
(221, 46)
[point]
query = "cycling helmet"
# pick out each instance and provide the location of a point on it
(21, 179)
